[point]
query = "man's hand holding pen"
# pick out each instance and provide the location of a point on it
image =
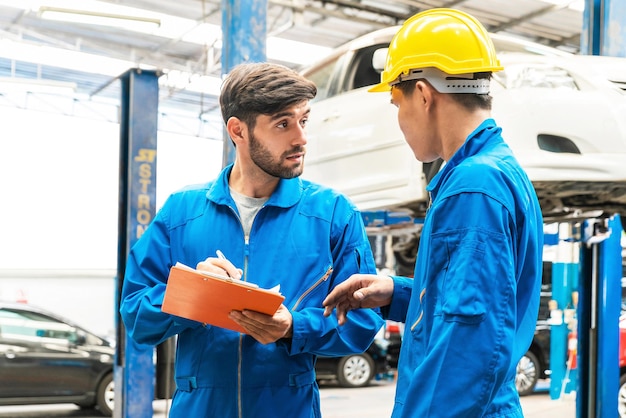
(265, 329)
(220, 265)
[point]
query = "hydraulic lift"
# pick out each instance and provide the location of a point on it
(599, 311)
(585, 305)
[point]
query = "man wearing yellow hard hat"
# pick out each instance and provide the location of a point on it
(471, 309)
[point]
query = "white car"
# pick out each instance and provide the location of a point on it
(563, 115)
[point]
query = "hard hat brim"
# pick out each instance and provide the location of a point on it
(379, 88)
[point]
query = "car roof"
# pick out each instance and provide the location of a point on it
(503, 43)
(35, 309)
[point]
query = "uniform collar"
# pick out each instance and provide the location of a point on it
(474, 143)
(287, 193)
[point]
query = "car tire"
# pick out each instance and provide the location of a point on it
(405, 253)
(355, 370)
(106, 395)
(621, 397)
(431, 169)
(84, 406)
(527, 374)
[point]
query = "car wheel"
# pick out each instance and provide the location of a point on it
(527, 374)
(621, 397)
(355, 370)
(106, 395)
(404, 252)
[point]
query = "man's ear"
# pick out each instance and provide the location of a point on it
(425, 93)
(235, 128)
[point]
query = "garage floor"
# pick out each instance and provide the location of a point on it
(374, 401)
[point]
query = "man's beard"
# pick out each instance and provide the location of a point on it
(264, 160)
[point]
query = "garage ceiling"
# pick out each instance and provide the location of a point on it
(323, 23)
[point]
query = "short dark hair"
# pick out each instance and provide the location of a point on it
(467, 100)
(253, 89)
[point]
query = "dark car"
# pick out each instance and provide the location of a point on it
(535, 364)
(46, 359)
(355, 370)
(393, 332)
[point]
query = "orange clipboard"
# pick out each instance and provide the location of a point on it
(209, 298)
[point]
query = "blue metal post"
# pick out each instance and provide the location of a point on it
(244, 33)
(564, 284)
(609, 306)
(604, 28)
(599, 310)
(134, 367)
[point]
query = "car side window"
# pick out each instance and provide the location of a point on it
(323, 77)
(31, 326)
(361, 71)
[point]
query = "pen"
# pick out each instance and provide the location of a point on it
(221, 256)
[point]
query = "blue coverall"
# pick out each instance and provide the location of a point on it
(306, 238)
(475, 293)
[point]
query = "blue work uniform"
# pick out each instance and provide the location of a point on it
(306, 238)
(471, 310)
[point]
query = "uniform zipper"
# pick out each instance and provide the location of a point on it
(240, 349)
(310, 289)
(419, 318)
(430, 201)
(240, 344)
(423, 292)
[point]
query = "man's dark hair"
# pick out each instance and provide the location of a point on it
(467, 100)
(254, 89)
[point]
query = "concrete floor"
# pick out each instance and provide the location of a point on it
(374, 401)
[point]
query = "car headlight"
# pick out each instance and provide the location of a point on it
(536, 76)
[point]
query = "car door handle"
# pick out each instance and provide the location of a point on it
(10, 355)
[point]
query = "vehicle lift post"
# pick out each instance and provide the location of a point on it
(244, 31)
(134, 368)
(598, 318)
(586, 298)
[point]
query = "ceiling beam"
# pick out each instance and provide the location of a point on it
(525, 18)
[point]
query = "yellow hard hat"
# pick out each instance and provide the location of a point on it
(450, 40)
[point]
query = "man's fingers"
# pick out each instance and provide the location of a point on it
(342, 315)
(220, 266)
(333, 297)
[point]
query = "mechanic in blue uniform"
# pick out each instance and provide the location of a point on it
(274, 228)
(471, 310)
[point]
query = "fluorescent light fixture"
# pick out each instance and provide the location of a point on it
(64, 58)
(180, 80)
(162, 25)
(135, 23)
